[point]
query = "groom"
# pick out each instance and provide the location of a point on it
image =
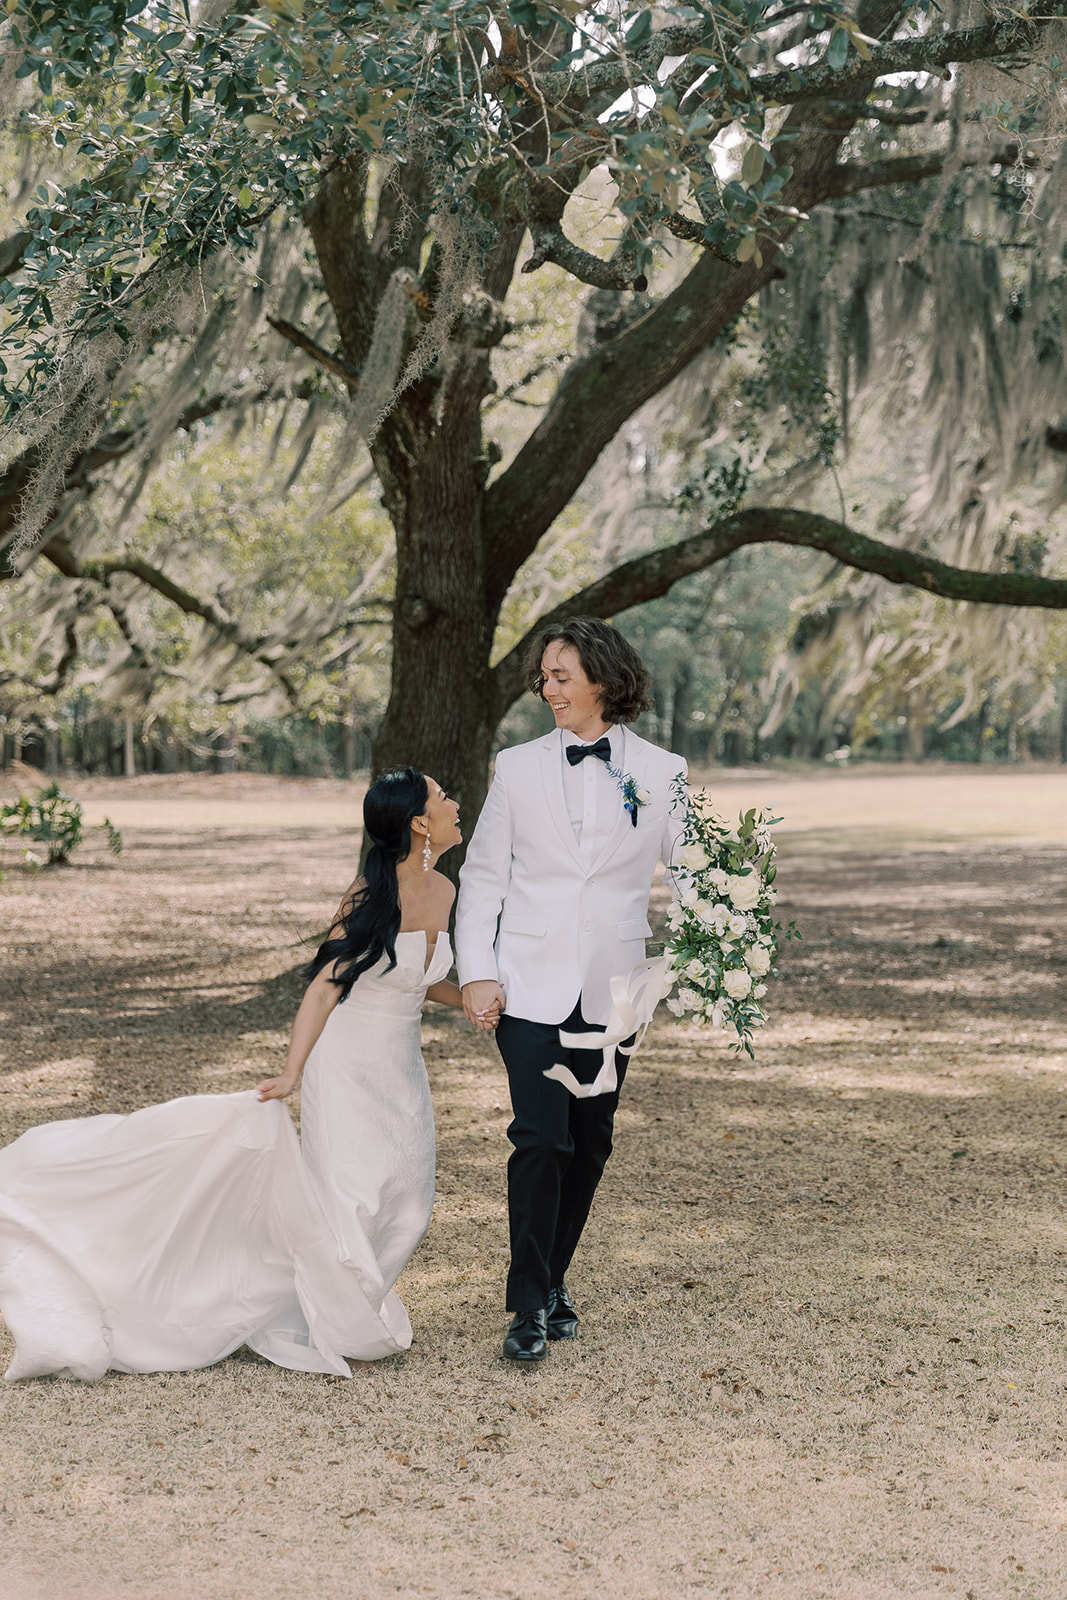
(553, 903)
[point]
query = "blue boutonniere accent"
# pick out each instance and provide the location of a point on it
(633, 796)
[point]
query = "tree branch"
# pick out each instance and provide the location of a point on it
(12, 250)
(551, 244)
(890, 116)
(585, 83)
(852, 177)
(648, 576)
(350, 273)
(303, 341)
(596, 394)
(61, 555)
(928, 52)
(109, 447)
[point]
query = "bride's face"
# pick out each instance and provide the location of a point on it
(442, 815)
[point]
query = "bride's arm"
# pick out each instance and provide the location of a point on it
(446, 994)
(319, 1000)
(320, 997)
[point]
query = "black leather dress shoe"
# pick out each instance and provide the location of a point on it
(562, 1317)
(527, 1338)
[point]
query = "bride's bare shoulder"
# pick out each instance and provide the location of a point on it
(445, 888)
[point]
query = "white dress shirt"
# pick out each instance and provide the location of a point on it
(587, 787)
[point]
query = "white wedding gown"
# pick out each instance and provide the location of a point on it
(163, 1240)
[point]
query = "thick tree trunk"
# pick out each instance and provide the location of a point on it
(682, 709)
(348, 741)
(442, 711)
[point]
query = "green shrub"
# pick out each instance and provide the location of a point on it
(53, 819)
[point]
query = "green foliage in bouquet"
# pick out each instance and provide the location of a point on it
(53, 819)
(724, 940)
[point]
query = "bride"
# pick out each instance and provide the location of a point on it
(166, 1239)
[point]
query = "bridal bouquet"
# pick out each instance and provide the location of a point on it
(724, 941)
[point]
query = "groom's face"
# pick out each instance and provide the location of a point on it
(575, 702)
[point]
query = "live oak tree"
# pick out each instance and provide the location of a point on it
(432, 151)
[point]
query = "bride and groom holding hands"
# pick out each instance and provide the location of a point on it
(165, 1239)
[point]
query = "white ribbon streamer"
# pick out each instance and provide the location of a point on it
(634, 998)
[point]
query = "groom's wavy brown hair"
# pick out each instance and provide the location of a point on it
(607, 659)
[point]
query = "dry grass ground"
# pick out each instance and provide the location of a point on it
(823, 1349)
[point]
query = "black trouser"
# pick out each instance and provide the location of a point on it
(561, 1148)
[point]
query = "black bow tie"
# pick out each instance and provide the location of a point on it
(578, 752)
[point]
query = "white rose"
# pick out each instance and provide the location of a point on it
(758, 960)
(760, 990)
(693, 857)
(689, 897)
(737, 925)
(713, 914)
(737, 983)
(643, 796)
(744, 892)
(690, 999)
(718, 878)
(695, 970)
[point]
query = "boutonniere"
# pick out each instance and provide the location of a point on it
(633, 796)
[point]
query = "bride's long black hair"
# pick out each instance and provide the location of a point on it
(370, 917)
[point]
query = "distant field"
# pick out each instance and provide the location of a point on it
(891, 802)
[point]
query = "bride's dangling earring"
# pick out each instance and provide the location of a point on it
(427, 853)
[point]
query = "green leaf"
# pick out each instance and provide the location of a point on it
(639, 30)
(752, 165)
(837, 52)
(246, 199)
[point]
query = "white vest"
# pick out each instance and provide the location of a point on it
(534, 914)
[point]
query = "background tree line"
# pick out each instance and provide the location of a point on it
(297, 456)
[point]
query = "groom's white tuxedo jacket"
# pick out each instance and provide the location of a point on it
(546, 921)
